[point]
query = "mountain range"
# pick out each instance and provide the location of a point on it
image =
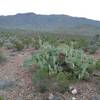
(50, 23)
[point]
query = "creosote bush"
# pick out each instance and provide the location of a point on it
(18, 45)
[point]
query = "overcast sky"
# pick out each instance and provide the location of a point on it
(81, 8)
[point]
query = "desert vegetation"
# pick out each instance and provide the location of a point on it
(56, 61)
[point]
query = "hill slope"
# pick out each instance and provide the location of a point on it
(55, 23)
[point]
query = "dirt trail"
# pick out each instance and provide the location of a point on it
(12, 71)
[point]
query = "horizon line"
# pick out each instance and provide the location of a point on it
(22, 13)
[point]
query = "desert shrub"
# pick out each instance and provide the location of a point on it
(8, 45)
(61, 82)
(40, 80)
(1, 98)
(1, 43)
(43, 82)
(27, 41)
(18, 45)
(97, 65)
(94, 44)
(2, 56)
(92, 48)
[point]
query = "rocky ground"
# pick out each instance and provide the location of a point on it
(15, 82)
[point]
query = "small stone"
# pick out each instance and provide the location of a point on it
(73, 98)
(71, 88)
(74, 91)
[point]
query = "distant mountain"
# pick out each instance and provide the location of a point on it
(50, 23)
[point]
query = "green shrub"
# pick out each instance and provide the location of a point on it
(92, 48)
(27, 41)
(18, 45)
(62, 82)
(94, 44)
(40, 80)
(2, 56)
(1, 44)
(1, 98)
(98, 64)
(43, 82)
(8, 45)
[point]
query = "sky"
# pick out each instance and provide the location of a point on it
(78, 8)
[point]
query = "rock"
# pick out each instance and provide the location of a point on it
(73, 98)
(97, 97)
(74, 91)
(70, 88)
(4, 84)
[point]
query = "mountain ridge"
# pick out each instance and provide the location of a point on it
(50, 23)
